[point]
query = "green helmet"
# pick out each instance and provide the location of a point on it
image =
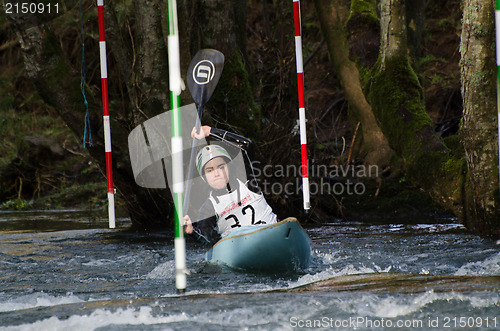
(208, 153)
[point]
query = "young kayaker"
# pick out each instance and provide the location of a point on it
(231, 203)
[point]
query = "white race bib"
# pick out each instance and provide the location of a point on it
(251, 209)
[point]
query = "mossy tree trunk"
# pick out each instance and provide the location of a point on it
(398, 102)
(333, 16)
(479, 125)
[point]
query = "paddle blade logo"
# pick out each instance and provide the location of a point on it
(203, 72)
(203, 75)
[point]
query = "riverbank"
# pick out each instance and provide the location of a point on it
(43, 166)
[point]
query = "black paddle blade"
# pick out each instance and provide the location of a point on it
(203, 74)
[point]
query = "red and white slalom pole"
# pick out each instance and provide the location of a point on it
(302, 109)
(105, 109)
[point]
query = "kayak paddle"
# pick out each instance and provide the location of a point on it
(203, 74)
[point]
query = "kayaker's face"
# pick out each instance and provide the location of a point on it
(217, 173)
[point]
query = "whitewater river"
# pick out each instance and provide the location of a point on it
(66, 271)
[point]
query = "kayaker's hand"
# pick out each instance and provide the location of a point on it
(188, 226)
(204, 132)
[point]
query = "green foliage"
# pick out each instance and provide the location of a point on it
(90, 195)
(17, 204)
(16, 125)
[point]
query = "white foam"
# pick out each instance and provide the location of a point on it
(488, 267)
(331, 272)
(101, 318)
(37, 300)
(164, 270)
(327, 258)
(396, 306)
(256, 313)
(122, 259)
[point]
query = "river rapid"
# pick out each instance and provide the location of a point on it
(64, 270)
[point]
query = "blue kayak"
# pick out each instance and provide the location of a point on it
(283, 246)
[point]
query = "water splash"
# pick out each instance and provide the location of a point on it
(36, 300)
(488, 267)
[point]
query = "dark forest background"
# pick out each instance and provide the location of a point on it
(358, 86)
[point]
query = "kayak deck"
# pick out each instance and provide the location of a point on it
(283, 246)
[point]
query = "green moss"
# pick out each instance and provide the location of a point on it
(454, 165)
(482, 79)
(454, 144)
(397, 100)
(367, 9)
